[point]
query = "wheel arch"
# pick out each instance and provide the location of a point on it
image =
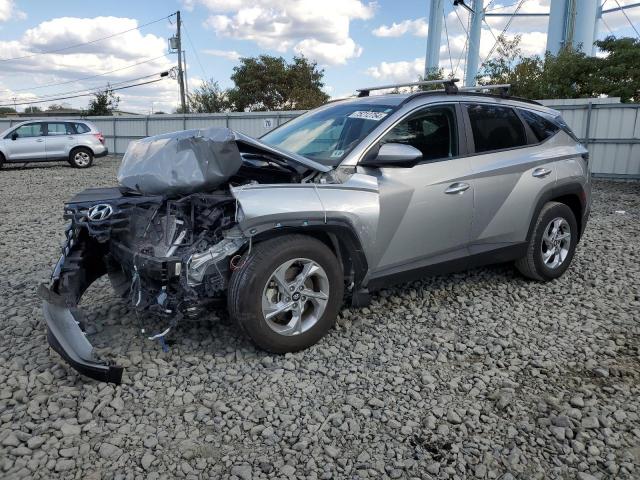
(571, 194)
(338, 236)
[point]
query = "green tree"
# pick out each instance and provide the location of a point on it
(270, 83)
(619, 72)
(208, 98)
(7, 110)
(570, 74)
(32, 109)
(54, 107)
(103, 103)
(432, 74)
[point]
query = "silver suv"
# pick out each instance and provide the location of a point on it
(345, 199)
(76, 141)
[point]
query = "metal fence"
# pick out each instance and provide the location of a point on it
(610, 130)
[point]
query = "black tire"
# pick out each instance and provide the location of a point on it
(244, 296)
(81, 157)
(532, 264)
(2, 160)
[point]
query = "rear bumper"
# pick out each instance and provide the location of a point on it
(69, 341)
(102, 154)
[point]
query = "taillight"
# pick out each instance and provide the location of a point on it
(100, 137)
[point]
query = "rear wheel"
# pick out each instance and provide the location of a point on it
(81, 157)
(552, 244)
(287, 293)
(2, 160)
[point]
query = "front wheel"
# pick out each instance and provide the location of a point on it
(552, 244)
(81, 158)
(287, 292)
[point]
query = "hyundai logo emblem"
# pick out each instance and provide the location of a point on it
(100, 212)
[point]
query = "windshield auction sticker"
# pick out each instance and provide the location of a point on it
(375, 116)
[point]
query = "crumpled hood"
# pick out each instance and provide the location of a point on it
(190, 161)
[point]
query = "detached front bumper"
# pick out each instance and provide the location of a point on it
(67, 338)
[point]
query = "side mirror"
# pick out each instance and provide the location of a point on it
(14, 135)
(395, 155)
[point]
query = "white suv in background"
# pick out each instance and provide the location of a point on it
(76, 141)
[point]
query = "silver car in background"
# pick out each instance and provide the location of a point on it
(76, 141)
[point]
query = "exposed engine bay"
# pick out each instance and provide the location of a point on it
(168, 254)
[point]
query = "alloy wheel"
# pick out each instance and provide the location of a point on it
(556, 241)
(295, 296)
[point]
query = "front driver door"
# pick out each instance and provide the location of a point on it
(29, 144)
(425, 210)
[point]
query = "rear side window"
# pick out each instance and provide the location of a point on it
(540, 126)
(81, 128)
(59, 128)
(495, 128)
(432, 131)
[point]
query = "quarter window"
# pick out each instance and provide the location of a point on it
(31, 130)
(540, 126)
(81, 127)
(495, 128)
(432, 131)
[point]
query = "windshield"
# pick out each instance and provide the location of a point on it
(329, 134)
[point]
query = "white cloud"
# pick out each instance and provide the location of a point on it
(9, 11)
(403, 71)
(317, 29)
(328, 53)
(228, 54)
(416, 27)
(72, 65)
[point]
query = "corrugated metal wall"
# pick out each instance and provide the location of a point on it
(612, 134)
(611, 130)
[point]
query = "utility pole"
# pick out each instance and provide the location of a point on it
(180, 70)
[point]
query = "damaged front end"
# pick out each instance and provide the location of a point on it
(168, 241)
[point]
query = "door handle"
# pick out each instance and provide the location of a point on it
(457, 187)
(541, 172)
(40, 140)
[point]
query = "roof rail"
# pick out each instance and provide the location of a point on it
(449, 86)
(503, 88)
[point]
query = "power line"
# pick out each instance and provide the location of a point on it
(204, 75)
(91, 76)
(446, 32)
(85, 43)
(504, 30)
(94, 89)
(85, 94)
(628, 19)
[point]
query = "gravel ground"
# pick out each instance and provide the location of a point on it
(475, 375)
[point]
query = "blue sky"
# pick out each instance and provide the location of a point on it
(357, 42)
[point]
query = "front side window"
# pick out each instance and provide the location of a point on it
(59, 128)
(495, 128)
(433, 131)
(31, 130)
(540, 126)
(329, 134)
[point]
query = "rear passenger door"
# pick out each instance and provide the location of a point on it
(511, 170)
(59, 136)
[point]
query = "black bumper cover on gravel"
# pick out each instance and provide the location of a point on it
(67, 338)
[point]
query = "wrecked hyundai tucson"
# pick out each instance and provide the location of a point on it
(349, 197)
